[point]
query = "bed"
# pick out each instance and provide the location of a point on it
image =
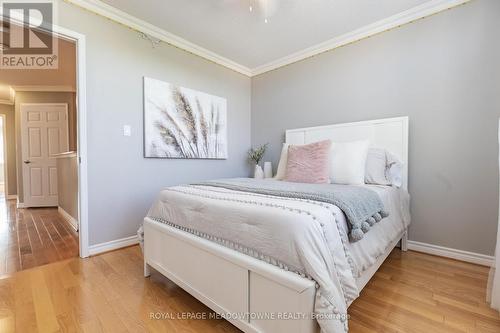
(282, 286)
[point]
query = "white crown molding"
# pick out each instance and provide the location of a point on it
(6, 102)
(103, 9)
(426, 9)
(10, 100)
(44, 88)
(475, 258)
(113, 245)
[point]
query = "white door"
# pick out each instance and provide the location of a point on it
(44, 133)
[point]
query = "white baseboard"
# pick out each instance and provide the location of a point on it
(11, 197)
(113, 245)
(70, 219)
(20, 204)
(475, 258)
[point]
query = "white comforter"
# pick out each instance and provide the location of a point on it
(303, 236)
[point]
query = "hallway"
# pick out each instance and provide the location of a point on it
(33, 237)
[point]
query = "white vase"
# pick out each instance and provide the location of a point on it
(258, 172)
(268, 170)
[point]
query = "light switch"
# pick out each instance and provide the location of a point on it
(127, 130)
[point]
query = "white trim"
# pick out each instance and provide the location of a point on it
(10, 100)
(81, 105)
(5, 157)
(475, 258)
(6, 102)
(20, 204)
(44, 88)
(130, 21)
(426, 9)
(68, 218)
(11, 197)
(493, 287)
(113, 245)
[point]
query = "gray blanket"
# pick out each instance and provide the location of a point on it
(362, 206)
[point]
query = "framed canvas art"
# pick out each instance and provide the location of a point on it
(183, 123)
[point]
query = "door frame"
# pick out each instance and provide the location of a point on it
(5, 161)
(81, 139)
(24, 144)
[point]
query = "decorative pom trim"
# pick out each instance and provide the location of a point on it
(371, 221)
(358, 230)
(365, 226)
(357, 234)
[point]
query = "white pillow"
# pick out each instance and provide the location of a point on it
(394, 171)
(383, 168)
(281, 171)
(376, 167)
(348, 162)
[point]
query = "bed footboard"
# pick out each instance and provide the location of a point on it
(251, 294)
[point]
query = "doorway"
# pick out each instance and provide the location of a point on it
(44, 126)
(79, 40)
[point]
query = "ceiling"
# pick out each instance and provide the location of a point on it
(228, 28)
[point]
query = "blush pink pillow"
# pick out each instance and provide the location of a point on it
(309, 163)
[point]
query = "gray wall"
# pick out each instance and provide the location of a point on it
(67, 184)
(122, 184)
(8, 111)
(443, 72)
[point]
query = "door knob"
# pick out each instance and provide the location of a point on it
(27, 162)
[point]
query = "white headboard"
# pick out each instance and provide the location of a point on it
(390, 133)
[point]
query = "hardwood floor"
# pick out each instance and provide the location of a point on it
(415, 292)
(412, 292)
(33, 237)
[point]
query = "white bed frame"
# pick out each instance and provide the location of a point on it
(240, 287)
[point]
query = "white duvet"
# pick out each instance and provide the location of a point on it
(303, 236)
